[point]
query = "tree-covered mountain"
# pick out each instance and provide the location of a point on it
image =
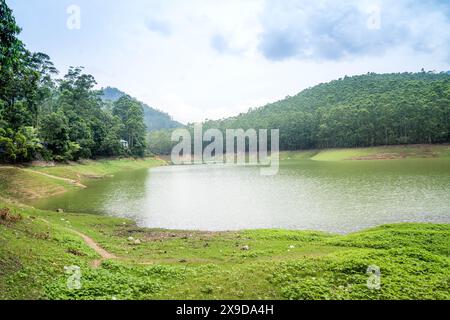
(359, 111)
(154, 119)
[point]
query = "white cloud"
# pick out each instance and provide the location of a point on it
(336, 30)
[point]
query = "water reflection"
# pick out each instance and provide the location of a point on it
(329, 196)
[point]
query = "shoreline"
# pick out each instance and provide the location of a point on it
(120, 260)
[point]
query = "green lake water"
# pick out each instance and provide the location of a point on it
(306, 195)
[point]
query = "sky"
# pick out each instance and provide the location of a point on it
(209, 59)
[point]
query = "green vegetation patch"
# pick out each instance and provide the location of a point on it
(117, 281)
(19, 184)
(405, 273)
(384, 153)
(256, 264)
(97, 169)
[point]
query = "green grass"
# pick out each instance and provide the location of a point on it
(23, 185)
(342, 154)
(413, 258)
(375, 153)
(31, 183)
(98, 169)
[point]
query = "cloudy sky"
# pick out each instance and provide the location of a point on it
(199, 59)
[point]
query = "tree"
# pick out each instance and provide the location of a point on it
(55, 132)
(12, 52)
(131, 114)
(19, 146)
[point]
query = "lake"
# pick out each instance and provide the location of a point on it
(338, 197)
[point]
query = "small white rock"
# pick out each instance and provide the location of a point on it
(130, 239)
(137, 241)
(245, 248)
(291, 247)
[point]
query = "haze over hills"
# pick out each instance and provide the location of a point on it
(154, 119)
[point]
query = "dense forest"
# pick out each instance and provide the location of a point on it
(42, 117)
(154, 119)
(359, 111)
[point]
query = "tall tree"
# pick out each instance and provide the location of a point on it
(131, 114)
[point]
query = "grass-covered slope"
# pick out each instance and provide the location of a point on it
(413, 259)
(34, 182)
(374, 153)
(98, 169)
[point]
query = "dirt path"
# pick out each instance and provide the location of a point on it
(77, 183)
(74, 182)
(105, 255)
(93, 245)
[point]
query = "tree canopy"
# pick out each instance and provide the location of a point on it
(360, 111)
(154, 119)
(42, 117)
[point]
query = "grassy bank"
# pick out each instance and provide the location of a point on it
(375, 153)
(413, 258)
(36, 245)
(22, 183)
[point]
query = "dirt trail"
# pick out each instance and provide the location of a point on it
(77, 183)
(74, 182)
(93, 245)
(96, 247)
(105, 255)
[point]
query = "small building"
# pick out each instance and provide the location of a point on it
(124, 144)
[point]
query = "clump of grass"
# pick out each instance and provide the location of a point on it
(412, 259)
(116, 281)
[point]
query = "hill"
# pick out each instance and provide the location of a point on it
(154, 119)
(358, 111)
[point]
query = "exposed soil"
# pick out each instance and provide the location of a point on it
(161, 235)
(420, 151)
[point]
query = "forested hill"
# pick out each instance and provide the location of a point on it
(367, 110)
(154, 119)
(46, 117)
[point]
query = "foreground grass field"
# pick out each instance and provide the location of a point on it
(36, 246)
(413, 259)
